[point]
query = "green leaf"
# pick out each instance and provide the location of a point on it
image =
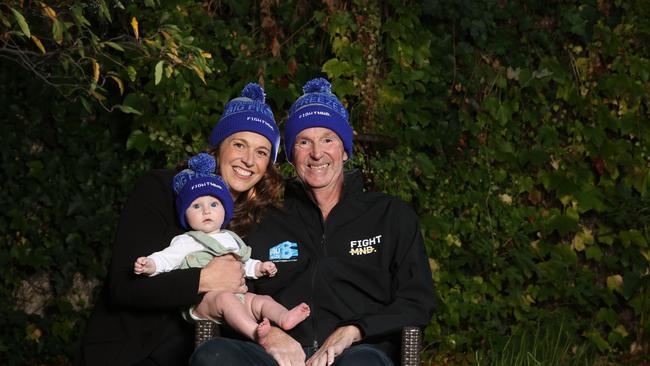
(424, 163)
(114, 45)
(631, 284)
(57, 31)
(590, 198)
(138, 140)
(615, 283)
(132, 72)
(103, 9)
(36, 169)
(127, 109)
(4, 20)
(159, 71)
(598, 340)
(85, 104)
(78, 17)
(335, 68)
(633, 236)
(608, 316)
(565, 254)
(594, 252)
(562, 223)
(22, 23)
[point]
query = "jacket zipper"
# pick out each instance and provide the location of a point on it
(313, 288)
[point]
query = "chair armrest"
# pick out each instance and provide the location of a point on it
(411, 345)
(204, 330)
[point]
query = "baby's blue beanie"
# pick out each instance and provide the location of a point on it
(199, 180)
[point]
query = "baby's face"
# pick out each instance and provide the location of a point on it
(205, 214)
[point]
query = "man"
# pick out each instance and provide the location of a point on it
(356, 258)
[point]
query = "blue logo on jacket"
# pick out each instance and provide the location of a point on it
(284, 252)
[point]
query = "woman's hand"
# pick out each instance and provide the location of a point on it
(224, 273)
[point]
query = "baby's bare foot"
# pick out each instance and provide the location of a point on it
(294, 316)
(263, 329)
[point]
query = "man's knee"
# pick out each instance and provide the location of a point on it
(363, 355)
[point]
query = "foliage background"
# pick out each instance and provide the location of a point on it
(517, 129)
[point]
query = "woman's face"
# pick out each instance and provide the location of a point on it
(243, 159)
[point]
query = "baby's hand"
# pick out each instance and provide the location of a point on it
(269, 269)
(144, 265)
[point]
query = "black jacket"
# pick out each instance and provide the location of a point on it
(366, 265)
(137, 317)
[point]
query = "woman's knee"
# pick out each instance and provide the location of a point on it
(217, 351)
(225, 351)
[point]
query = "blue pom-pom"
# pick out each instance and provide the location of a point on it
(318, 85)
(254, 92)
(202, 163)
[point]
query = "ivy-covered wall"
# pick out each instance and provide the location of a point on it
(518, 130)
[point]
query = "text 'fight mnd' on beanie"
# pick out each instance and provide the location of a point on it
(317, 107)
(249, 112)
(199, 180)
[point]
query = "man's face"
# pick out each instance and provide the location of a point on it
(318, 158)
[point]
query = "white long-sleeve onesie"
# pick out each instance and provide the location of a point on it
(171, 257)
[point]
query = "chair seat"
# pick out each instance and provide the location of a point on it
(411, 340)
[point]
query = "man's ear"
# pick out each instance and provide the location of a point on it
(345, 156)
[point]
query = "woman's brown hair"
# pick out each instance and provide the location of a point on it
(250, 206)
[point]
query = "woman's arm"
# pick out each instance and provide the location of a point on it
(147, 225)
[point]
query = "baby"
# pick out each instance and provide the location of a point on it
(204, 203)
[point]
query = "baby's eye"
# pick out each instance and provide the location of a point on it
(196, 206)
(214, 204)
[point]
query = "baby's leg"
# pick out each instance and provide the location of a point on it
(227, 306)
(264, 306)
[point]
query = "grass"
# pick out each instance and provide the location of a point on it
(550, 344)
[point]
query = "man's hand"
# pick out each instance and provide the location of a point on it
(224, 273)
(340, 340)
(285, 350)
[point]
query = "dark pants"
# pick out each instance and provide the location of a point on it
(232, 352)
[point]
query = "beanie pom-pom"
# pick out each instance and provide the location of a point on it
(318, 85)
(202, 163)
(254, 92)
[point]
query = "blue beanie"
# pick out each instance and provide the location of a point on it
(250, 113)
(317, 107)
(199, 180)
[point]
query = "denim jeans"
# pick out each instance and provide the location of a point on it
(233, 352)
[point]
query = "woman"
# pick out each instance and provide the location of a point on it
(137, 320)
